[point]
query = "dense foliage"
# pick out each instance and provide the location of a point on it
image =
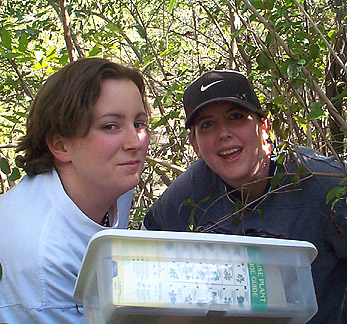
(294, 51)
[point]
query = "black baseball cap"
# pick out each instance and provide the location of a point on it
(214, 86)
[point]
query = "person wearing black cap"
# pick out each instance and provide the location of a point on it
(228, 190)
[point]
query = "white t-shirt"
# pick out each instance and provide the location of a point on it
(43, 238)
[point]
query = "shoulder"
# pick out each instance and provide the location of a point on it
(314, 160)
(18, 192)
(196, 181)
(197, 172)
(29, 189)
(172, 208)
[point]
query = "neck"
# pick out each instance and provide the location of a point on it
(255, 186)
(254, 190)
(93, 202)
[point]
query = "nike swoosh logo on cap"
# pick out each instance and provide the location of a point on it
(205, 87)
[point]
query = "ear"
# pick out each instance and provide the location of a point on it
(266, 140)
(194, 143)
(58, 147)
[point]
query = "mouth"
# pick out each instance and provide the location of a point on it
(130, 164)
(231, 151)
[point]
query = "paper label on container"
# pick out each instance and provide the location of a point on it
(166, 283)
(259, 295)
(258, 286)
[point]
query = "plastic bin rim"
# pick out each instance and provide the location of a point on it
(199, 237)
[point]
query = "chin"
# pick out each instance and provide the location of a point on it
(133, 182)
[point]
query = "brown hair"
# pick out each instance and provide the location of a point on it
(64, 104)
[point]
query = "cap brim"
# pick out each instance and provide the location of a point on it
(238, 101)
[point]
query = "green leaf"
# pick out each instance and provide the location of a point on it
(40, 65)
(333, 193)
(296, 180)
(141, 31)
(314, 51)
(269, 4)
(275, 181)
(280, 158)
(316, 111)
(23, 43)
(63, 60)
(191, 222)
(171, 6)
(187, 202)
(5, 38)
(302, 171)
(94, 51)
(113, 27)
(15, 175)
(261, 214)
(237, 33)
(204, 200)
(4, 166)
(264, 61)
(159, 122)
(235, 221)
(269, 39)
(11, 55)
(294, 68)
(343, 94)
(336, 193)
(258, 4)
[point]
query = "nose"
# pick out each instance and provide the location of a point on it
(225, 131)
(132, 140)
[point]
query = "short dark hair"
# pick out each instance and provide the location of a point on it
(64, 104)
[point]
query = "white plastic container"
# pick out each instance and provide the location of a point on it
(159, 277)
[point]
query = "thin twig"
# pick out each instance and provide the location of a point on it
(167, 165)
(10, 145)
(22, 82)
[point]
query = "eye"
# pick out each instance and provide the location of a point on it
(206, 124)
(110, 127)
(236, 115)
(140, 125)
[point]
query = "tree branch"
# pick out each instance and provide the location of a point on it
(127, 39)
(22, 82)
(331, 108)
(67, 37)
(331, 50)
(166, 165)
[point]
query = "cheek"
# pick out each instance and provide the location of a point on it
(144, 140)
(251, 135)
(208, 143)
(205, 145)
(253, 142)
(106, 146)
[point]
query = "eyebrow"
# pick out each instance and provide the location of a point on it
(202, 116)
(121, 116)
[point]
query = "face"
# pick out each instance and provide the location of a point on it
(110, 158)
(232, 142)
